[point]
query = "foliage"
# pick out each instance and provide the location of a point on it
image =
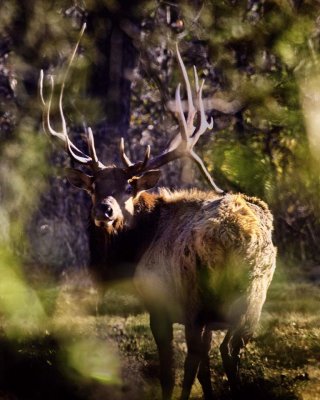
(260, 60)
(262, 54)
(82, 355)
(266, 54)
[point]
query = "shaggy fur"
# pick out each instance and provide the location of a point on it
(199, 259)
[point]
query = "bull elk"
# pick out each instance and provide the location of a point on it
(201, 258)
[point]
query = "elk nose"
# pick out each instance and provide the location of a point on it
(107, 210)
(102, 212)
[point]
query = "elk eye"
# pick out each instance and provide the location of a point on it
(129, 189)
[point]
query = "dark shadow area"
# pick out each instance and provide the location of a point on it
(33, 370)
(267, 389)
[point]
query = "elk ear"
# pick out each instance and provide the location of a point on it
(79, 179)
(146, 181)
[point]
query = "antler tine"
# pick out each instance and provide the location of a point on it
(183, 144)
(47, 108)
(42, 100)
(74, 152)
(41, 88)
(63, 120)
(196, 78)
(204, 124)
(180, 116)
(140, 165)
(146, 157)
(91, 146)
(70, 147)
(125, 159)
(204, 171)
(60, 135)
(191, 108)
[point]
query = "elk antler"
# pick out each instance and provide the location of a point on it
(183, 144)
(74, 152)
(140, 165)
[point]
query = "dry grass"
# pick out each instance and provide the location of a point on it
(112, 355)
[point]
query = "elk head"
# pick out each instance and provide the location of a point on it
(114, 189)
(113, 192)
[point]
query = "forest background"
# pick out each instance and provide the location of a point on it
(260, 61)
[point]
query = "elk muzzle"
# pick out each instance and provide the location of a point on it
(106, 212)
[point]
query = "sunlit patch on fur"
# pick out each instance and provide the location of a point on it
(187, 195)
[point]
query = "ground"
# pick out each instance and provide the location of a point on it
(91, 349)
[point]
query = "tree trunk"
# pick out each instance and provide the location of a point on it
(111, 81)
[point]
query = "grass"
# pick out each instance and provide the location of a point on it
(81, 354)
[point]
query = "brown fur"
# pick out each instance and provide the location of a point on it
(200, 259)
(211, 228)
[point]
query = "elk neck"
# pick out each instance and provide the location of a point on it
(115, 256)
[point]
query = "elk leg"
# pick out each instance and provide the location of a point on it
(162, 331)
(245, 315)
(230, 348)
(191, 365)
(204, 375)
